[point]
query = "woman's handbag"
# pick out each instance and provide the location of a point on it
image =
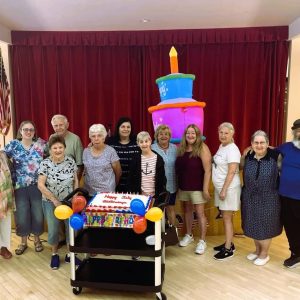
(171, 236)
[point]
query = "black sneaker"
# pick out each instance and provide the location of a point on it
(68, 259)
(220, 247)
(54, 264)
(224, 254)
(292, 262)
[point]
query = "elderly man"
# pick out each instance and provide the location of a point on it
(74, 148)
(289, 191)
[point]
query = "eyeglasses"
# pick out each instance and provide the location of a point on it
(28, 129)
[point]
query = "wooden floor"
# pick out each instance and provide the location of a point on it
(188, 276)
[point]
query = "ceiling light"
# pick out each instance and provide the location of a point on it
(145, 20)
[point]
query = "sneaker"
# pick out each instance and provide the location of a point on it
(201, 246)
(224, 254)
(261, 261)
(292, 262)
(68, 259)
(220, 247)
(252, 256)
(187, 239)
(54, 262)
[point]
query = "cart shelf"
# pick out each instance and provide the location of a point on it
(117, 274)
(114, 241)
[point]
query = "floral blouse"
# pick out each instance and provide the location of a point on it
(25, 162)
(7, 201)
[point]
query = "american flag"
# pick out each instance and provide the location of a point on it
(5, 114)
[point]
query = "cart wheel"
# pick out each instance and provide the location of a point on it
(162, 297)
(77, 290)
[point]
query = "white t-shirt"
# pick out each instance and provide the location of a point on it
(225, 155)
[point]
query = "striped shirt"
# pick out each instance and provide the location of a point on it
(148, 166)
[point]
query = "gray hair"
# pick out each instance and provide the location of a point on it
(61, 117)
(98, 128)
(260, 133)
(227, 125)
(143, 135)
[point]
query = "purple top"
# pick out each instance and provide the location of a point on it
(190, 172)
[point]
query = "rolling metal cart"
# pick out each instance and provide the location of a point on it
(118, 274)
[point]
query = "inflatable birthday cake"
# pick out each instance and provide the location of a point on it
(177, 108)
(112, 210)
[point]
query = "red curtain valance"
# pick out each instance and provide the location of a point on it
(151, 37)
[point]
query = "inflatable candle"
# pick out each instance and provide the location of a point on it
(177, 109)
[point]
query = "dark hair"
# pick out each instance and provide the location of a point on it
(56, 139)
(118, 125)
(19, 136)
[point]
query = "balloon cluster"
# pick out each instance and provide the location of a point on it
(63, 212)
(140, 222)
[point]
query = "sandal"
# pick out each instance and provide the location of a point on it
(38, 246)
(21, 248)
(5, 253)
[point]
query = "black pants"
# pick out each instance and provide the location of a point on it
(291, 222)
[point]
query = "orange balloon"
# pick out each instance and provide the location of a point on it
(139, 225)
(78, 203)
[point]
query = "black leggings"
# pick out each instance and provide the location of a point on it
(291, 222)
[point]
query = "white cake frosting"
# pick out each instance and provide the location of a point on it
(115, 202)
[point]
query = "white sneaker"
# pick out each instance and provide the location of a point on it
(252, 256)
(201, 246)
(261, 261)
(187, 239)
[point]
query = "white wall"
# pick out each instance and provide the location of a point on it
(5, 34)
(293, 108)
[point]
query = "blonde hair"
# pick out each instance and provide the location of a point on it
(98, 128)
(161, 128)
(227, 125)
(196, 147)
(142, 136)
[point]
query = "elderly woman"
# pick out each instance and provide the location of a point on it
(26, 153)
(7, 205)
(168, 152)
(124, 142)
(193, 169)
(260, 199)
(102, 169)
(226, 180)
(57, 179)
(147, 171)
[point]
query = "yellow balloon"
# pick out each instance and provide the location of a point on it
(63, 212)
(154, 214)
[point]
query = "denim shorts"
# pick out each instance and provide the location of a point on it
(29, 213)
(53, 224)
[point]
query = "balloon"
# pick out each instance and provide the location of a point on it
(78, 203)
(139, 225)
(137, 207)
(154, 214)
(76, 221)
(63, 212)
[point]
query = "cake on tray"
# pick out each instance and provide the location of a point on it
(112, 210)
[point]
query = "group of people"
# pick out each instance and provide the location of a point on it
(42, 174)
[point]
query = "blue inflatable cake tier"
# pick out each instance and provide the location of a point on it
(175, 86)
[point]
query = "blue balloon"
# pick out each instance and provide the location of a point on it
(76, 221)
(137, 207)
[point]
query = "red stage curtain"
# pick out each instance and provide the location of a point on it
(96, 77)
